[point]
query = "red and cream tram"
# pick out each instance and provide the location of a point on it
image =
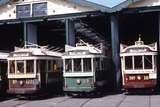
(139, 66)
(34, 69)
(85, 69)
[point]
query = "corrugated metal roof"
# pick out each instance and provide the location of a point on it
(107, 3)
(103, 5)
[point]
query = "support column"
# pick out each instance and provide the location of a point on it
(70, 32)
(115, 51)
(30, 33)
(158, 57)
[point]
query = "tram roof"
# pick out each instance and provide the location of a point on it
(38, 51)
(82, 46)
(4, 55)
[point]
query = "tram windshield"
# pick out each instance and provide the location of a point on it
(78, 65)
(21, 66)
(139, 62)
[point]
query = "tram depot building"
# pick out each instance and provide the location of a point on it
(59, 22)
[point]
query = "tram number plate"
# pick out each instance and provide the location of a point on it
(152, 76)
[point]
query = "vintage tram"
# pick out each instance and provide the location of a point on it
(33, 69)
(139, 66)
(85, 69)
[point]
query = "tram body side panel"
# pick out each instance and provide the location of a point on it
(137, 78)
(79, 84)
(133, 81)
(98, 79)
(40, 80)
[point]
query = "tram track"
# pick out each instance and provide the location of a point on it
(84, 103)
(15, 102)
(149, 101)
(121, 101)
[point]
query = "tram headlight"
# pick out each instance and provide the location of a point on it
(139, 77)
(78, 81)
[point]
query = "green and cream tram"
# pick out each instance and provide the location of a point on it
(34, 69)
(84, 68)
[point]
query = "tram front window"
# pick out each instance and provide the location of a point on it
(20, 67)
(128, 62)
(77, 65)
(12, 67)
(138, 62)
(68, 65)
(30, 66)
(87, 64)
(148, 62)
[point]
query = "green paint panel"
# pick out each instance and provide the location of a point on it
(79, 84)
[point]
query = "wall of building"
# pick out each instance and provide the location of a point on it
(55, 7)
(144, 3)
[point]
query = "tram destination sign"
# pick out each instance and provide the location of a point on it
(78, 53)
(20, 54)
(138, 50)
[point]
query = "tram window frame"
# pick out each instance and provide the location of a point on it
(88, 65)
(68, 66)
(18, 71)
(77, 65)
(138, 65)
(148, 62)
(31, 67)
(13, 65)
(128, 62)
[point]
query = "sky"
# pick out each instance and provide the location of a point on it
(108, 3)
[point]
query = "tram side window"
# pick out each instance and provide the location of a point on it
(138, 62)
(87, 64)
(55, 66)
(148, 62)
(128, 62)
(77, 65)
(68, 65)
(30, 66)
(12, 67)
(20, 66)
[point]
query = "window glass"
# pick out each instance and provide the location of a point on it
(128, 62)
(12, 67)
(147, 62)
(138, 62)
(39, 9)
(77, 65)
(30, 66)
(23, 11)
(20, 67)
(87, 64)
(68, 65)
